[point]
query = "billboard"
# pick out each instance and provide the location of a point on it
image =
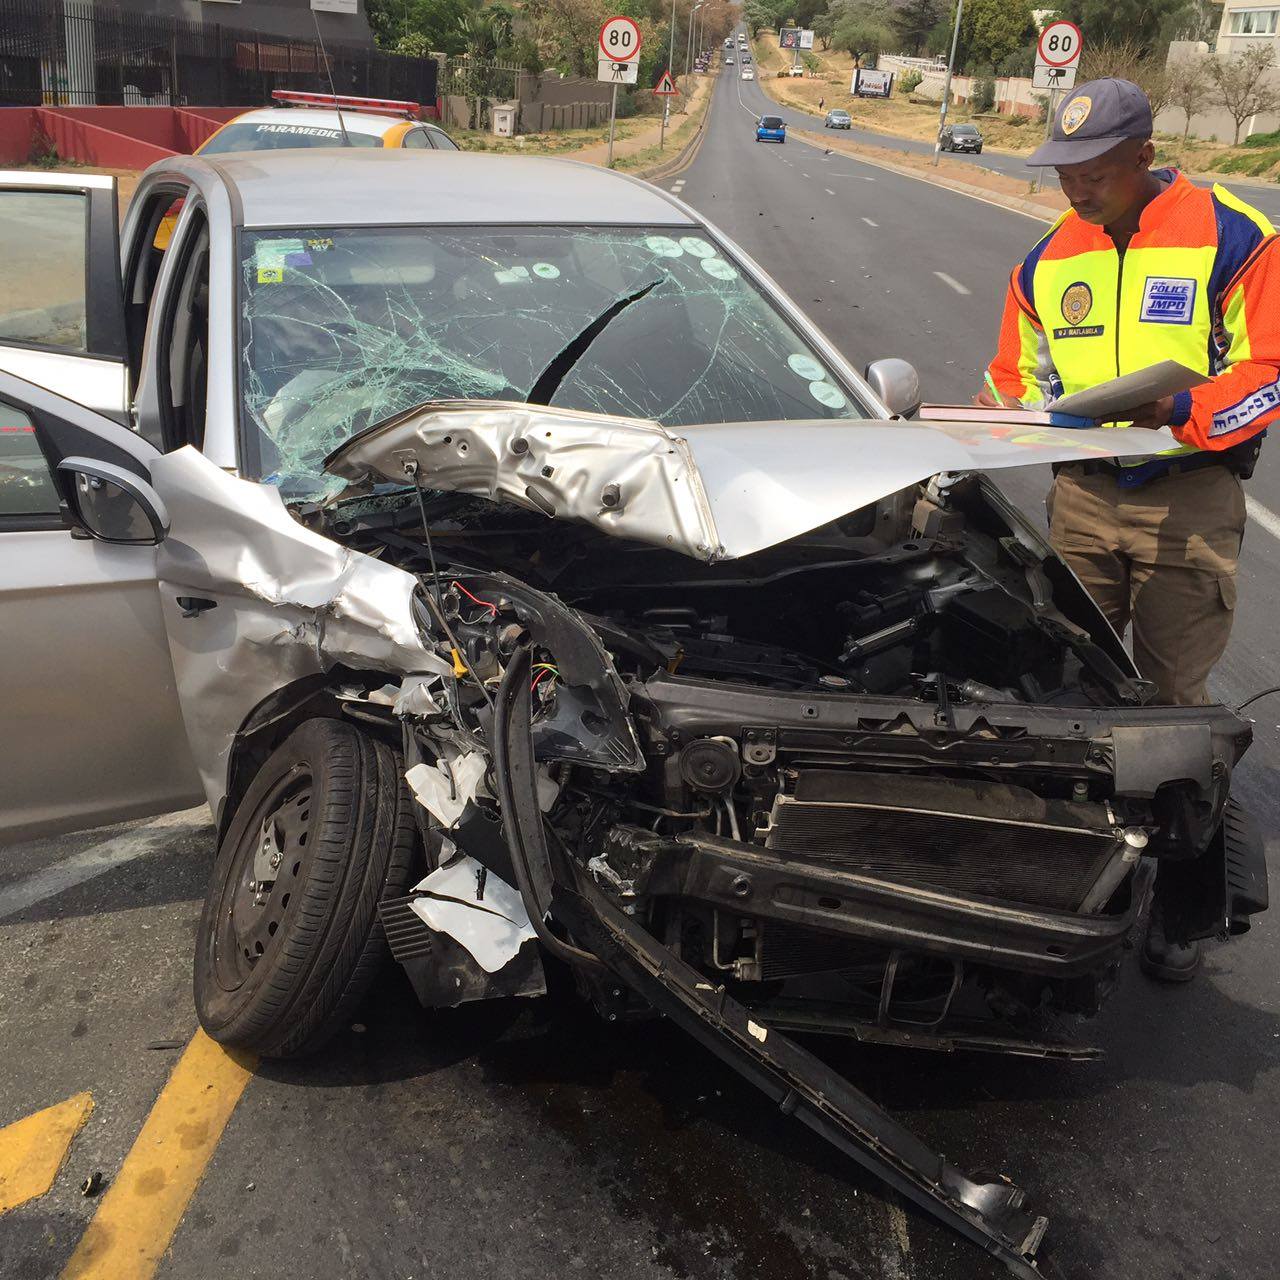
(871, 84)
(795, 38)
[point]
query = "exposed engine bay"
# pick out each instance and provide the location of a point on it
(890, 776)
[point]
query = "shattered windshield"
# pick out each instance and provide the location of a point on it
(341, 328)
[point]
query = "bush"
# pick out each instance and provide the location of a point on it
(909, 80)
(1263, 139)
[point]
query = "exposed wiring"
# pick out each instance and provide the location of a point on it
(546, 671)
(411, 468)
(460, 668)
(493, 608)
(1248, 702)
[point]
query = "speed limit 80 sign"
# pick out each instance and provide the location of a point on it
(620, 40)
(1060, 44)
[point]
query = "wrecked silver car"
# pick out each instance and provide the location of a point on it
(553, 594)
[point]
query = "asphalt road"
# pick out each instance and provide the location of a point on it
(1265, 196)
(533, 1141)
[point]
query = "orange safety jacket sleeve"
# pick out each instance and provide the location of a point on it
(1244, 399)
(1022, 351)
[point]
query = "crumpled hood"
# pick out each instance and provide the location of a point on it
(714, 492)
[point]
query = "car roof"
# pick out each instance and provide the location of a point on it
(333, 186)
(355, 121)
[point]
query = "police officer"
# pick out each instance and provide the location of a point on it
(1145, 267)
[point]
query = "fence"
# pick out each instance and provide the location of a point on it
(71, 53)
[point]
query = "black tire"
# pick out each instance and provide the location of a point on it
(278, 970)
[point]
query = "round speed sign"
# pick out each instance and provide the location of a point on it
(1060, 44)
(620, 40)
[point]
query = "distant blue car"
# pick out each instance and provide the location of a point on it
(771, 129)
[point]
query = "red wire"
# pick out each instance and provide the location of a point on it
(493, 608)
(543, 672)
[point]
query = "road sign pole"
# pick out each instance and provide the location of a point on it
(946, 87)
(613, 115)
(1050, 111)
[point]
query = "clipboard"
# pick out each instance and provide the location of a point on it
(1108, 400)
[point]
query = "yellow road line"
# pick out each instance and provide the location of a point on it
(145, 1202)
(32, 1149)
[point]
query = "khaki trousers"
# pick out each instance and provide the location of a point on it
(1162, 558)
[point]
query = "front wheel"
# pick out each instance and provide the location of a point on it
(289, 939)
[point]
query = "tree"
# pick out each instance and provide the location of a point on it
(990, 30)
(823, 28)
(435, 25)
(1244, 84)
(1138, 21)
(1191, 87)
(914, 20)
(863, 34)
(1127, 60)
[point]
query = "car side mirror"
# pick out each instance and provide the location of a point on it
(897, 384)
(112, 504)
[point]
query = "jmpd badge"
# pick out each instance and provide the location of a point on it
(1168, 300)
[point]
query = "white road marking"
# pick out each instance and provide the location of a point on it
(1263, 516)
(828, 191)
(948, 280)
(870, 223)
(804, 175)
(866, 177)
(156, 836)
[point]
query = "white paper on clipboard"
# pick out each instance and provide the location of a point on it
(1109, 399)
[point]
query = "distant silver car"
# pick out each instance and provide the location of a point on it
(518, 573)
(837, 118)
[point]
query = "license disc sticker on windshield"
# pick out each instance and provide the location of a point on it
(511, 275)
(825, 393)
(663, 246)
(546, 271)
(696, 247)
(719, 268)
(270, 275)
(275, 253)
(806, 367)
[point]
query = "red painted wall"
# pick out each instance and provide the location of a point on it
(114, 137)
(17, 129)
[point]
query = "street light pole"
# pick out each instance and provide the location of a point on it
(688, 43)
(946, 88)
(671, 53)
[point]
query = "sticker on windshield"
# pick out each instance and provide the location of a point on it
(275, 253)
(663, 246)
(297, 259)
(270, 275)
(546, 271)
(719, 268)
(825, 393)
(511, 275)
(696, 247)
(806, 367)
(321, 244)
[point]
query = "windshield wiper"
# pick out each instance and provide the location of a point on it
(557, 371)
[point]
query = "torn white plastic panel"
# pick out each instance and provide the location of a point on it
(446, 789)
(713, 492)
(492, 927)
(286, 603)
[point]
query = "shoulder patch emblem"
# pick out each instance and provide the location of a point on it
(1076, 113)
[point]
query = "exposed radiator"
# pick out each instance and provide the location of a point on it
(982, 840)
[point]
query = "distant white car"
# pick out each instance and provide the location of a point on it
(795, 71)
(748, 74)
(729, 62)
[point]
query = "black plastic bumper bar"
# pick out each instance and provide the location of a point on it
(989, 1213)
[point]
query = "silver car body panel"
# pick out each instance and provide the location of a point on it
(288, 603)
(713, 492)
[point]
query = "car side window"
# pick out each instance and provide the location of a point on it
(442, 140)
(417, 140)
(27, 490)
(43, 288)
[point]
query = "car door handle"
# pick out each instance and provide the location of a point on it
(194, 606)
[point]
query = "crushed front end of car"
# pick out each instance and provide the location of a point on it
(771, 728)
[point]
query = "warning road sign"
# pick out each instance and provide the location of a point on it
(666, 86)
